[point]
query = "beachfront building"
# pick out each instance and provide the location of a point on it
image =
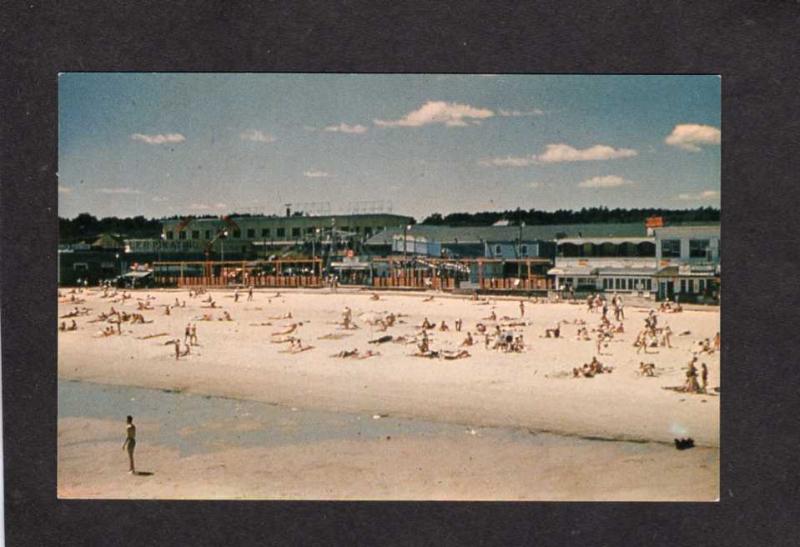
(663, 263)
(610, 263)
(501, 242)
(688, 262)
(251, 237)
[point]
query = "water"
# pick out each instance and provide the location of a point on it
(197, 424)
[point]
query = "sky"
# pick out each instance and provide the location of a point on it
(178, 144)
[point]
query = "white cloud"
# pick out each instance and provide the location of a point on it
(608, 181)
(345, 128)
(520, 113)
(509, 161)
(123, 190)
(64, 189)
(159, 139)
(316, 174)
(557, 153)
(256, 135)
(160, 199)
(700, 196)
(432, 112)
(689, 136)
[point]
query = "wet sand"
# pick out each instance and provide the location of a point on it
(203, 447)
(490, 391)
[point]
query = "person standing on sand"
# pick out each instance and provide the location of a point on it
(250, 293)
(521, 308)
(130, 443)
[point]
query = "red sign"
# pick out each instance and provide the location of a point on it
(654, 222)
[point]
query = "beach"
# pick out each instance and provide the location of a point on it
(494, 425)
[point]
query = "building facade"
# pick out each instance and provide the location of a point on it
(250, 237)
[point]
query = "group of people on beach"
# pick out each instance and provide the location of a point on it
(589, 370)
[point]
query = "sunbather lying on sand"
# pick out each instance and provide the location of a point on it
(381, 340)
(451, 355)
(287, 315)
(297, 347)
(289, 330)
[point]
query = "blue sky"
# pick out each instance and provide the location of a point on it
(165, 144)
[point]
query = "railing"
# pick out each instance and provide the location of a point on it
(254, 280)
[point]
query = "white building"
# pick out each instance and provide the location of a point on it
(689, 262)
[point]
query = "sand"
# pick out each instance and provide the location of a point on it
(532, 390)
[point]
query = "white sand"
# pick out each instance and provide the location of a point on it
(490, 388)
(529, 390)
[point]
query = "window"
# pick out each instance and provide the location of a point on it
(647, 284)
(182, 235)
(195, 234)
(606, 283)
(368, 231)
(264, 232)
(80, 267)
(295, 232)
(310, 230)
(208, 234)
(523, 250)
(251, 233)
(170, 235)
(618, 283)
(684, 288)
(281, 232)
(358, 229)
(671, 248)
(498, 250)
(702, 285)
(698, 248)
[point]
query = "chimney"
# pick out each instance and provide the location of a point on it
(288, 211)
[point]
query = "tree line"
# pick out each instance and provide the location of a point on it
(86, 226)
(592, 215)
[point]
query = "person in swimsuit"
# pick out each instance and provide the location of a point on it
(130, 443)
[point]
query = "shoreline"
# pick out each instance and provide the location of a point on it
(229, 442)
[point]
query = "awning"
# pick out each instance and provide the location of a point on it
(570, 271)
(602, 240)
(639, 272)
(137, 275)
(350, 265)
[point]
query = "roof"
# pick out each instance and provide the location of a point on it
(687, 230)
(480, 234)
(108, 241)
